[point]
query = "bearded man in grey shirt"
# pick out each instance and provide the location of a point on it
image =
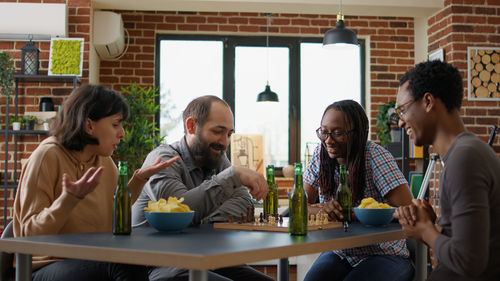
(205, 178)
(468, 246)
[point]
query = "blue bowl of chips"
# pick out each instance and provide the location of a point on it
(374, 217)
(169, 221)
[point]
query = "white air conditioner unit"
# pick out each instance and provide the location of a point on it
(24, 21)
(109, 37)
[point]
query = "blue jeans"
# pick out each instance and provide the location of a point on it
(329, 266)
(83, 270)
(236, 273)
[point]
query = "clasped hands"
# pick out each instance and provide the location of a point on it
(416, 218)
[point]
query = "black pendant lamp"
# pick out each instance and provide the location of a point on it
(340, 36)
(267, 94)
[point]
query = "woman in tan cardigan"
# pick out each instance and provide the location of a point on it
(68, 182)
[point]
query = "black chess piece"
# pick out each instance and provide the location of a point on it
(261, 219)
(346, 226)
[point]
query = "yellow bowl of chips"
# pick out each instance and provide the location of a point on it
(171, 215)
(372, 213)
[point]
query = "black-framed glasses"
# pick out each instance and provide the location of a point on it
(400, 112)
(336, 135)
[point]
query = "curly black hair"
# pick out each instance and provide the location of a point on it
(441, 79)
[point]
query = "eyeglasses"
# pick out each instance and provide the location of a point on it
(400, 112)
(336, 135)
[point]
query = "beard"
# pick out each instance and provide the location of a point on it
(204, 156)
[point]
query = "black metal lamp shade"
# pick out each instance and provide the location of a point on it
(340, 35)
(267, 95)
(29, 59)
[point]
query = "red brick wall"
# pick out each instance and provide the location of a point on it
(30, 93)
(391, 50)
(391, 43)
(461, 24)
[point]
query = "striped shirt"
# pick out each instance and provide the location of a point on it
(381, 176)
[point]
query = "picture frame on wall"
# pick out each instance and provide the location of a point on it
(437, 55)
(66, 56)
(483, 73)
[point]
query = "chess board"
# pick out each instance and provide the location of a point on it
(283, 227)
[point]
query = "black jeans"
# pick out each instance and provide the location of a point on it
(237, 273)
(83, 270)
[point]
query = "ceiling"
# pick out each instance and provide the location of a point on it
(403, 8)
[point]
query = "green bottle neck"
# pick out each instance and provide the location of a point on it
(122, 168)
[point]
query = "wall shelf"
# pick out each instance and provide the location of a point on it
(21, 79)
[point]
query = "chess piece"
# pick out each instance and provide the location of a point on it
(318, 219)
(261, 220)
(230, 219)
(325, 220)
(346, 226)
(281, 219)
(249, 215)
(252, 213)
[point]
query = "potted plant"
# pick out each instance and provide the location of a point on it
(7, 70)
(15, 121)
(386, 121)
(29, 122)
(141, 133)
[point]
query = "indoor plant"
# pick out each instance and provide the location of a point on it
(7, 70)
(141, 133)
(29, 122)
(15, 121)
(386, 119)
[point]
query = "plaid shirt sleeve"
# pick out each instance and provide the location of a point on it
(385, 174)
(311, 173)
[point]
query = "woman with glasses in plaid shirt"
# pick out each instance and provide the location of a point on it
(372, 173)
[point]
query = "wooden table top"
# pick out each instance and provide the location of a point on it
(200, 247)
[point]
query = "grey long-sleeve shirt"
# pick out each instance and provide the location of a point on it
(470, 208)
(212, 195)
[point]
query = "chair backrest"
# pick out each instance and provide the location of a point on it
(7, 271)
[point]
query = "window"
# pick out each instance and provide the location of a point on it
(326, 76)
(267, 118)
(188, 69)
(305, 77)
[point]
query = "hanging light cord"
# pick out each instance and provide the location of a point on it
(267, 49)
(340, 6)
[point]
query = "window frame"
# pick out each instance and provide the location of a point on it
(228, 84)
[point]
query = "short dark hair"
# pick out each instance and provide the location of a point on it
(357, 123)
(441, 79)
(199, 109)
(88, 101)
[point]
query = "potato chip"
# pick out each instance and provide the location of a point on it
(172, 205)
(370, 203)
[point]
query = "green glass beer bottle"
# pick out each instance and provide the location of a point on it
(271, 200)
(298, 205)
(122, 203)
(344, 196)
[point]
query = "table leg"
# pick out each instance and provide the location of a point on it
(420, 262)
(23, 267)
(283, 270)
(198, 275)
